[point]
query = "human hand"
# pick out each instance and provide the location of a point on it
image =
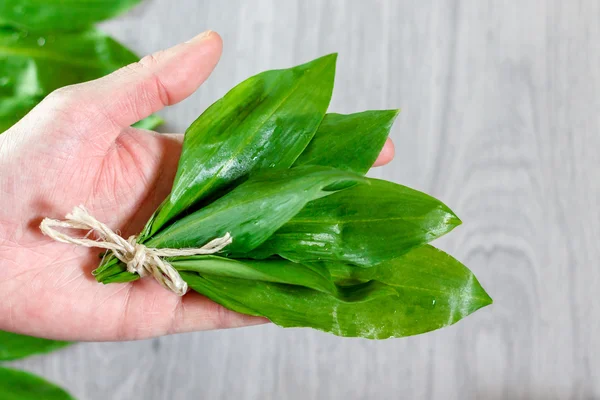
(77, 147)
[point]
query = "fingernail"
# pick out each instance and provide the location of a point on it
(200, 37)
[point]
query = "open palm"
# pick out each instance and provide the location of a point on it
(76, 147)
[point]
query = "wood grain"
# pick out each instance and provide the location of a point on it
(500, 119)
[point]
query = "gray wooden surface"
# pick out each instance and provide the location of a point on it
(501, 120)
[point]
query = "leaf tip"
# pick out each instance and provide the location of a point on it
(331, 56)
(328, 59)
(480, 294)
(454, 220)
(488, 300)
(451, 220)
(393, 114)
(485, 297)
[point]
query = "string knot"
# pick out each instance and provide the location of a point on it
(138, 258)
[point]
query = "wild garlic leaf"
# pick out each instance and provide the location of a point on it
(21, 385)
(432, 290)
(349, 142)
(254, 210)
(364, 225)
(14, 346)
(278, 270)
(59, 15)
(264, 122)
(250, 213)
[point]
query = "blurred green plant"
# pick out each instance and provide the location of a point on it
(21, 385)
(14, 346)
(60, 15)
(33, 63)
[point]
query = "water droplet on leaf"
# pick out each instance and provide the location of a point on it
(41, 41)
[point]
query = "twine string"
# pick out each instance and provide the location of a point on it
(140, 259)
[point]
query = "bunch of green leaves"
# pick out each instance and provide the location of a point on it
(315, 242)
(48, 44)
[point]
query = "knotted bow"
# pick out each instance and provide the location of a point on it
(139, 259)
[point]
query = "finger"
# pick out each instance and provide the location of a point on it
(176, 137)
(156, 81)
(386, 155)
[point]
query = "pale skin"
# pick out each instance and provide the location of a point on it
(76, 147)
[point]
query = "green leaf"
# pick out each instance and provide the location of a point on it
(251, 212)
(349, 142)
(21, 385)
(59, 15)
(12, 109)
(254, 210)
(278, 270)
(315, 277)
(32, 65)
(14, 346)
(364, 225)
(264, 122)
(433, 290)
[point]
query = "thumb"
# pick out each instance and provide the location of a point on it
(140, 89)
